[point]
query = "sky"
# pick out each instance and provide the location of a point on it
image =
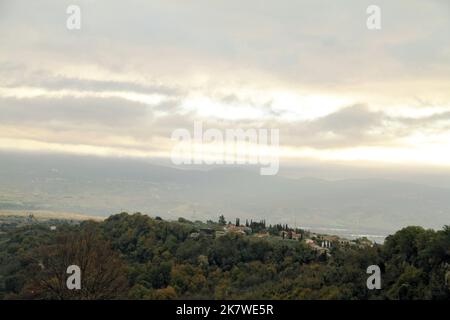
(138, 70)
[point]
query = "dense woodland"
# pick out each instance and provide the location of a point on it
(138, 257)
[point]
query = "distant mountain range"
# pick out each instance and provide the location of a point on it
(103, 186)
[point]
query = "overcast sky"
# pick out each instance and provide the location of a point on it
(137, 70)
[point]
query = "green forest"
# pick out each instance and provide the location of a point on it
(134, 256)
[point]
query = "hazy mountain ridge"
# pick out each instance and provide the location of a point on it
(104, 186)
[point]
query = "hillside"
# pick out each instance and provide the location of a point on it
(138, 257)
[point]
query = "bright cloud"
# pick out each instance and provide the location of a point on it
(136, 71)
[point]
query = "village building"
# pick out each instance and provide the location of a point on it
(296, 236)
(242, 230)
(326, 244)
(219, 234)
(194, 235)
(262, 235)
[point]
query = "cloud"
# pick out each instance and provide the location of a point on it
(14, 77)
(320, 42)
(354, 119)
(138, 70)
(350, 126)
(74, 111)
